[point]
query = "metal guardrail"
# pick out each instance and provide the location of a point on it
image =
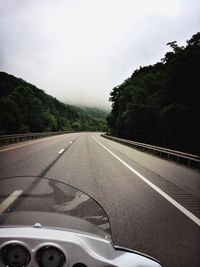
(181, 157)
(15, 138)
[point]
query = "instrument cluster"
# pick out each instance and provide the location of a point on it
(17, 255)
(38, 247)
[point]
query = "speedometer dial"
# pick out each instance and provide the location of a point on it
(15, 255)
(49, 256)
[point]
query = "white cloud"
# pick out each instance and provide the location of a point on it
(78, 50)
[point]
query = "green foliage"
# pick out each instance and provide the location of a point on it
(159, 104)
(25, 108)
(9, 115)
(95, 112)
(92, 119)
(76, 126)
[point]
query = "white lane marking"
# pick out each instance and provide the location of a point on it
(189, 214)
(9, 200)
(61, 151)
(45, 139)
(14, 147)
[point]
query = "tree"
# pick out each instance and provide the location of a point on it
(159, 104)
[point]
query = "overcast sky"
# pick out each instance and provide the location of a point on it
(78, 50)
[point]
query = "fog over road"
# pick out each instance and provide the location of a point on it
(141, 217)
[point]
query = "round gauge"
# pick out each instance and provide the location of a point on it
(50, 257)
(15, 255)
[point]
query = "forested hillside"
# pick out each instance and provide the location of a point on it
(95, 112)
(25, 108)
(160, 104)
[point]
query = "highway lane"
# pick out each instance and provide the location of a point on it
(32, 157)
(141, 219)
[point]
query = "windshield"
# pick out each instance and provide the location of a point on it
(28, 201)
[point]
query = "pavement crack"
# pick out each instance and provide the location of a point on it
(44, 172)
(38, 178)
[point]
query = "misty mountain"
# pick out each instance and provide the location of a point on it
(26, 108)
(95, 112)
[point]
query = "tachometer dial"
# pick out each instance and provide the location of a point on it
(50, 257)
(15, 255)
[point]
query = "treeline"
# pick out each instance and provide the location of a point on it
(160, 104)
(25, 108)
(95, 112)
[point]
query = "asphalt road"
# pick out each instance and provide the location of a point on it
(153, 204)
